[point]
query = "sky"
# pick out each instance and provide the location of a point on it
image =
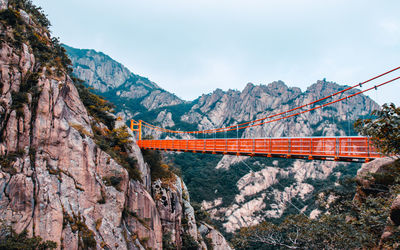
(192, 47)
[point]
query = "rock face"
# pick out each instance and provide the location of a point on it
(374, 179)
(364, 180)
(55, 181)
(169, 200)
(178, 219)
(217, 240)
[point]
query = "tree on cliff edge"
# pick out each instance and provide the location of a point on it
(384, 129)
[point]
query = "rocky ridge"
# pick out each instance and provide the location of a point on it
(56, 182)
(260, 194)
(115, 81)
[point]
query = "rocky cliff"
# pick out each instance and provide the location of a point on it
(69, 170)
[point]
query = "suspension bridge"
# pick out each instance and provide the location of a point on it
(343, 148)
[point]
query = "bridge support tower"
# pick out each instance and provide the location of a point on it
(137, 127)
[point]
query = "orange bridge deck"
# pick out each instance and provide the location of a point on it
(357, 149)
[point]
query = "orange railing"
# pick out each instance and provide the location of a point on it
(320, 148)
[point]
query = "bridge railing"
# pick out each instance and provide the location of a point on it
(319, 147)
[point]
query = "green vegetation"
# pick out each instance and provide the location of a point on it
(209, 244)
(97, 107)
(158, 169)
(126, 212)
(28, 87)
(189, 243)
(113, 181)
(167, 242)
(30, 8)
(9, 239)
(200, 215)
(7, 161)
(196, 168)
(384, 129)
(19, 99)
(114, 142)
(78, 224)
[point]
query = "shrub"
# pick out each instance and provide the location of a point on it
(103, 197)
(47, 52)
(82, 131)
(7, 161)
(114, 143)
(18, 101)
(98, 223)
(113, 181)
(30, 83)
(30, 8)
(96, 106)
(189, 243)
(85, 235)
(200, 214)
(9, 239)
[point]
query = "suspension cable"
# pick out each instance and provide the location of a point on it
(241, 126)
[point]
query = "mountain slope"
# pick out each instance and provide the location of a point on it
(242, 191)
(117, 83)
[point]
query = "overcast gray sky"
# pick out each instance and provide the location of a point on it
(191, 47)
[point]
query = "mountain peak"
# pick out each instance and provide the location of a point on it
(115, 81)
(275, 85)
